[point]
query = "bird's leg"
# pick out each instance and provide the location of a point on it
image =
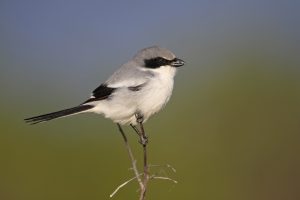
(143, 140)
(139, 118)
(144, 137)
(135, 129)
(141, 132)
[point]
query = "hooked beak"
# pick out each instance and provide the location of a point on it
(176, 62)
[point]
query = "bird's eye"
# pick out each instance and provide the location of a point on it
(156, 62)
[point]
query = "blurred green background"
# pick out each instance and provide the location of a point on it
(231, 129)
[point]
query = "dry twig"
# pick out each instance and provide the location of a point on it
(133, 161)
(122, 185)
(143, 183)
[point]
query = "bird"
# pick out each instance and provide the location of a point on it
(138, 89)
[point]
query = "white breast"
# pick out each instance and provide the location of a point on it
(157, 92)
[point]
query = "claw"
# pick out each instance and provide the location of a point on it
(139, 118)
(143, 140)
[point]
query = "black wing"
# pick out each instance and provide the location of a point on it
(100, 93)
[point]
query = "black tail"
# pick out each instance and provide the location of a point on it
(58, 114)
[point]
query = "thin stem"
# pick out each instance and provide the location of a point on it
(133, 161)
(144, 141)
(163, 178)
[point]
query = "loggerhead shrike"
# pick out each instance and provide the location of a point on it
(137, 90)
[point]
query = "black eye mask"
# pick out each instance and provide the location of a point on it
(157, 62)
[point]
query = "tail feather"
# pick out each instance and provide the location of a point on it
(58, 114)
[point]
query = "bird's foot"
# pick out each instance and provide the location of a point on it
(139, 118)
(143, 140)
